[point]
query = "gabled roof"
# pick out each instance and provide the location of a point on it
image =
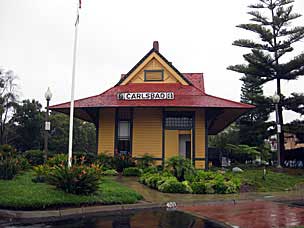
(189, 93)
(152, 52)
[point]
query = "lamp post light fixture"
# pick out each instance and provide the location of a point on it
(47, 127)
(276, 100)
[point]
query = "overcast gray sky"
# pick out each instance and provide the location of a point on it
(36, 41)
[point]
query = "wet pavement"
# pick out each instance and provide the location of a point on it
(259, 214)
(274, 209)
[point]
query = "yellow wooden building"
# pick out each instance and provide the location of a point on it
(154, 109)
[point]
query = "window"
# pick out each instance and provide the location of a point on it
(178, 121)
(154, 75)
(123, 137)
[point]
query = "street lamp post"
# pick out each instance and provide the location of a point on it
(47, 126)
(276, 100)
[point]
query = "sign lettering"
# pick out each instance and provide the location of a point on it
(146, 96)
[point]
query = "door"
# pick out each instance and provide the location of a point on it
(188, 150)
(185, 145)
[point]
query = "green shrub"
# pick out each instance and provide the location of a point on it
(7, 150)
(173, 186)
(84, 157)
(145, 161)
(188, 186)
(122, 161)
(23, 163)
(143, 178)
(179, 166)
(79, 179)
(41, 173)
(106, 160)
(201, 175)
(132, 171)
(231, 187)
(198, 187)
(9, 168)
(152, 180)
(209, 188)
(109, 172)
(163, 179)
(58, 159)
(151, 169)
(35, 157)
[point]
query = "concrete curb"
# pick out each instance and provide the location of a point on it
(61, 213)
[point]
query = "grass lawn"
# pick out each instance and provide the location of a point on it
(274, 181)
(22, 193)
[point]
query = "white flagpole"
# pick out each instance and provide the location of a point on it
(73, 91)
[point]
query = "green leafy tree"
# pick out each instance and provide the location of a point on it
(8, 102)
(28, 122)
(84, 137)
(271, 21)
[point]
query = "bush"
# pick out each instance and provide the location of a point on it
(231, 187)
(122, 161)
(23, 163)
(7, 151)
(173, 186)
(9, 168)
(179, 166)
(58, 159)
(84, 157)
(110, 172)
(41, 173)
(35, 157)
(78, 179)
(145, 161)
(106, 161)
(152, 179)
(198, 187)
(151, 169)
(132, 171)
(209, 188)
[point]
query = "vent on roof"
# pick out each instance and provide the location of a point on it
(154, 75)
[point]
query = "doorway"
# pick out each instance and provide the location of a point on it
(185, 146)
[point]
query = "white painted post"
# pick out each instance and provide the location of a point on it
(73, 91)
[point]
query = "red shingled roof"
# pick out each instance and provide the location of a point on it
(184, 96)
(223, 111)
(197, 79)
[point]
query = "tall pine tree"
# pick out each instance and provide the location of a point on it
(271, 21)
(253, 126)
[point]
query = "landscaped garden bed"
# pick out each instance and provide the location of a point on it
(179, 176)
(23, 193)
(29, 182)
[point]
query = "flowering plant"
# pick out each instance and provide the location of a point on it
(79, 179)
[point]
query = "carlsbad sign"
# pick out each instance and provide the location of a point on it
(146, 96)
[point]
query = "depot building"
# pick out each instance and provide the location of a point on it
(155, 109)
